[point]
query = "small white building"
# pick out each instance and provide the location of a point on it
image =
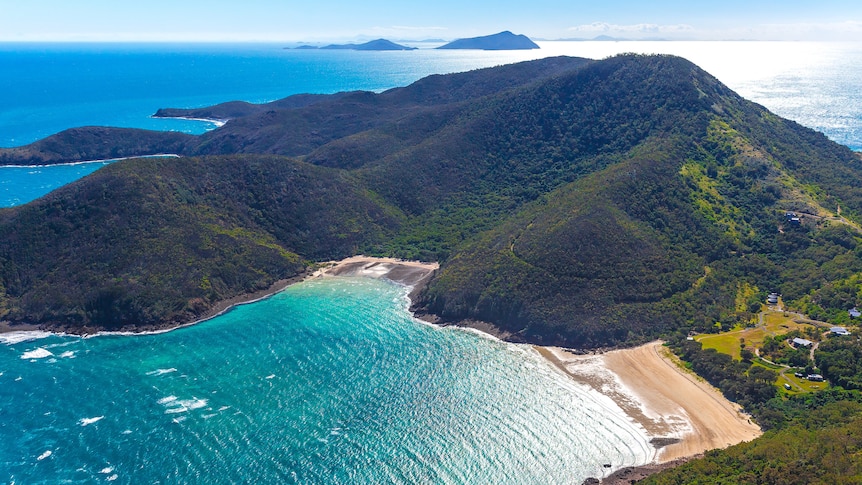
(839, 331)
(801, 342)
(854, 313)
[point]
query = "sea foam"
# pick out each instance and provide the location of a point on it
(13, 338)
(39, 353)
(88, 421)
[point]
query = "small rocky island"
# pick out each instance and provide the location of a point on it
(497, 42)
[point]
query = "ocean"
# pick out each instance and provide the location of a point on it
(330, 381)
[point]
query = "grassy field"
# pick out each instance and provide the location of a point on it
(799, 385)
(774, 324)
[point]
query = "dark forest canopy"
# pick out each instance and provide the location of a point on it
(573, 202)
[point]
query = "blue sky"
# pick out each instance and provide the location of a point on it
(336, 20)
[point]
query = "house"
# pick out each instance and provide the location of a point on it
(772, 299)
(815, 377)
(801, 342)
(854, 313)
(839, 331)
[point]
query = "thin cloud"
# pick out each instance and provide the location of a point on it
(606, 28)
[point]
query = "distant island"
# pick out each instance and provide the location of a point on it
(497, 42)
(374, 45)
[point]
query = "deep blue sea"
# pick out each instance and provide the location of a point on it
(330, 381)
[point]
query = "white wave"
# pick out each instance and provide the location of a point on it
(44, 455)
(128, 431)
(69, 354)
(179, 419)
(84, 162)
(207, 416)
(167, 400)
(13, 338)
(112, 477)
(194, 403)
(223, 408)
(270, 376)
(160, 372)
(39, 353)
(106, 470)
(176, 410)
(87, 421)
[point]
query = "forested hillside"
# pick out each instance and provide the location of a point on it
(573, 202)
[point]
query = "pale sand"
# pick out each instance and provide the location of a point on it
(408, 273)
(669, 402)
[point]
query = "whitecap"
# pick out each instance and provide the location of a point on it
(12, 338)
(128, 431)
(224, 408)
(112, 477)
(180, 409)
(69, 354)
(86, 421)
(167, 400)
(160, 372)
(194, 403)
(39, 353)
(106, 470)
(44, 455)
(270, 376)
(179, 419)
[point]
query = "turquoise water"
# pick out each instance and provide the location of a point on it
(19, 185)
(330, 381)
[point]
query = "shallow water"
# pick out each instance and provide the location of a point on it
(330, 381)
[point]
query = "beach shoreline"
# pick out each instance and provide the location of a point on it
(215, 121)
(681, 414)
(408, 273)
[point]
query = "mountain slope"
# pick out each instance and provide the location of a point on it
(580, 203)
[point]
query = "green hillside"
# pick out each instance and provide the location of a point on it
(573, 202)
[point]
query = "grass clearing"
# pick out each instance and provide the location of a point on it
(774, 323)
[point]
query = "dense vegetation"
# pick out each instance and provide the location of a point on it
(569, 201)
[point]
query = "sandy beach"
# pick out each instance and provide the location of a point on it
(682, 413)
(407, 273)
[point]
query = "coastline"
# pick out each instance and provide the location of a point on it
(84, 162)
(682, 414)
(408, 273)
(217, 122)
